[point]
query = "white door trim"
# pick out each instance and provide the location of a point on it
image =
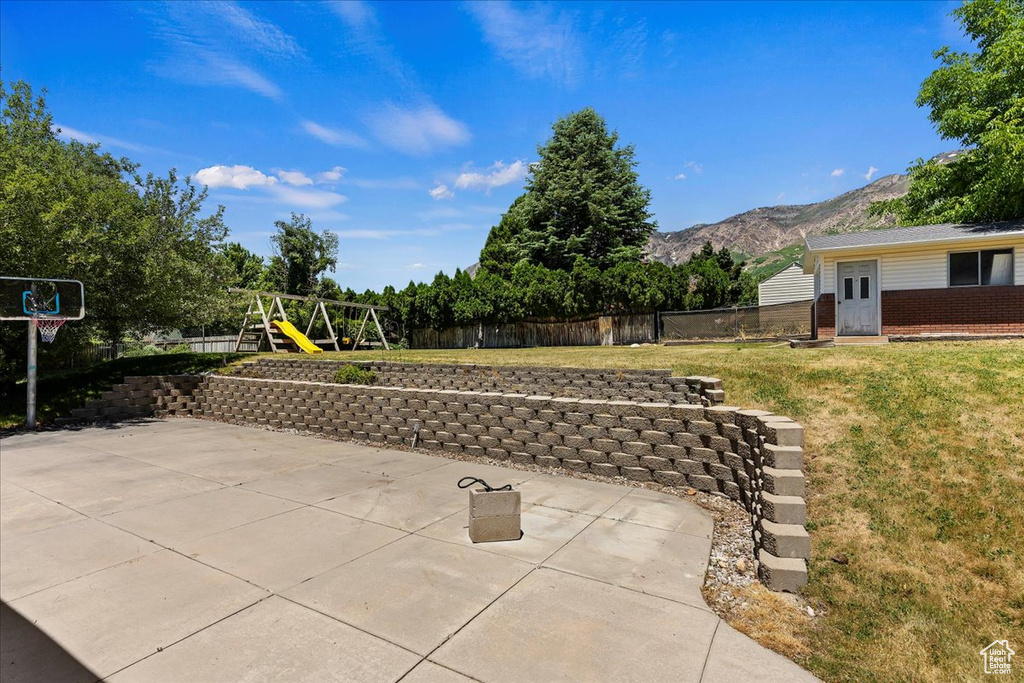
(878, 292)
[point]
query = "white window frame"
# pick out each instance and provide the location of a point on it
(949, 266)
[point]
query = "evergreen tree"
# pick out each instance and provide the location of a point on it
(582, 199)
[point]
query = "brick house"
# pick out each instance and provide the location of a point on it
(923, 280)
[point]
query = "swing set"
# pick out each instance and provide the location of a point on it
(270, 324)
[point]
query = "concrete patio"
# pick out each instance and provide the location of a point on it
(187, 550)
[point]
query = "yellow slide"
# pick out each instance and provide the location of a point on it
(291, 332)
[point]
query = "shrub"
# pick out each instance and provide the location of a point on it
(352, 374)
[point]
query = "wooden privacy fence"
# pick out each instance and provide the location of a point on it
(602, 331)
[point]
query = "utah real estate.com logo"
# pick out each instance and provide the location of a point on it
(997, 657)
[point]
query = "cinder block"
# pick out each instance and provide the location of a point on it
(687, 440)
(547, 461)
(604, 469)
(781, 573)
(785, 540)
(624, 459)
(636, 473)
(721, 414)
(690, 467)
(637, 448)
(668, 478)
(703, 482)
(489, 529)
(494, 503)
(653, 463)
(783, 509)
(702, 428)
(784, 482)
(782, 433)
(783, 457)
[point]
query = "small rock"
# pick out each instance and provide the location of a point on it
(741, 566)
(691, 492)
(841, 559)
(810, 611)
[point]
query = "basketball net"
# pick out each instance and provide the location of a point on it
(47, 327)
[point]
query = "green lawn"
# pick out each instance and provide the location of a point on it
(915, 464)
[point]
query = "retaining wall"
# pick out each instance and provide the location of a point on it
(751, 456)
(619, 385)
(141, 397)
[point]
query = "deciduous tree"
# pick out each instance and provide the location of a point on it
(976, 99)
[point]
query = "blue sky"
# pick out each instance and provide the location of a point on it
(406, 128)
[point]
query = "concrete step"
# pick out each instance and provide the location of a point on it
(861, 341)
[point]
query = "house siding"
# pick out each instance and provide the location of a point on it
(916, 266)
(789, 284)
(957, 310)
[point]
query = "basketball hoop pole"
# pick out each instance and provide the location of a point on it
(30, 417)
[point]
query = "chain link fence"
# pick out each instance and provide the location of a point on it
(789, 320)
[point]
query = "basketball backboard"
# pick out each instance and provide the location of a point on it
(33, 298)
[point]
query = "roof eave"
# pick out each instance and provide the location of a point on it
(808, 259)
(882, 245)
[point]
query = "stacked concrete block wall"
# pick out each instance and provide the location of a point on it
(159, 395)
(751, 456)
(625, 385)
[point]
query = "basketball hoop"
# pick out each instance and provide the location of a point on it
(46, 304)
(47, 327)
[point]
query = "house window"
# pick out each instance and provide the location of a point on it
(865, 287)
(847, 288)
(986, 267)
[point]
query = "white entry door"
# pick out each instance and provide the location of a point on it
(857, 298)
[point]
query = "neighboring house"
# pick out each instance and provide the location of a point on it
(923, 280)
(788, 285)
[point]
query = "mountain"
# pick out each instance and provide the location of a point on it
(772, 228)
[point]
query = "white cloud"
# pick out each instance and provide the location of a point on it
(214, 43)
(416, 266)
(694, 166)
(247, 177)
(366, 38)
(68, 133)
(680, 176)
(418, 131)
(311, 199)
(297, 178)
(332, 176)
(871, 173)
(838, 172)
(383, 183)
(780, 196)
(338, 137)
(441, 192)
(500, 175)
(238, 177)
(532, 39)
(260, 34)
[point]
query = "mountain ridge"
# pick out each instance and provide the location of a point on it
(771, 228)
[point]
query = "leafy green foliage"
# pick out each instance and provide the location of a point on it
(248, 267)
(301, 256)
(976, 98)
(353, 374)
(147, 258)
(582, 200)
